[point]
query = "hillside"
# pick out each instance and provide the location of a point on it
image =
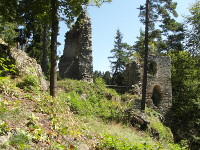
(82, 116)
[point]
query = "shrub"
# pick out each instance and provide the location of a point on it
(8, 87)
(7, 64)
(91, 99)
(156, 128)
(7, 67)
(30, 83)
(117, 143)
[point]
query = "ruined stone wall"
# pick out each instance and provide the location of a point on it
(76, 61)
(159, 89)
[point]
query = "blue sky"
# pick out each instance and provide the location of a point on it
(119, 14)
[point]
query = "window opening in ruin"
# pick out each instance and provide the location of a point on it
(152, 68)
(156, 95)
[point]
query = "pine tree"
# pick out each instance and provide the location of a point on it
(107, 77)
(120, 55)
(165, 33)
(192, 42)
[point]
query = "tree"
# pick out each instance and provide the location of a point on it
(8, 17)
(7, 31)
(184, 117)
(32, 15)
(164, 32)
(185, 114)
(70, 9)
(54, 34)
(36, 19)
(8, 10)
(120, 58)
(97, 74)
(144, 83)
(192, 43)
(107, 77)
(157, 13)
(121, 53)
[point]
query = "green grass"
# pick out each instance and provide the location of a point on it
(89, 100)
(82, 114)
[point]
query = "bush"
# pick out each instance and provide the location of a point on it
(7, 64)
(8, 87)
(118, 143)
(30, 83)
(91, 99)
(7, 67)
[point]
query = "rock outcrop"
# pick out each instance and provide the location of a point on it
(76, 61)
(25, 65)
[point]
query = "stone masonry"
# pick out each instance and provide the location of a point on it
(76, 61)
(159, 89)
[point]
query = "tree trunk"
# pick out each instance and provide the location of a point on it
(144, 84)
(55, 22)
(45, 49)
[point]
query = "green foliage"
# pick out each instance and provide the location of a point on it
(193, 29)
(186, 103)
(157, 129)
(97, 74)
(165, 33)
(107, 77)
(7, 67)
(29, 83)
(4, 129)
(100, 83)
(20, 140)
(48, 122)
(86, 99)
(121, 55)
(7, 31)
(8, 87)
(91, 99)
(119, 143)
(7, 64)
(8, 10)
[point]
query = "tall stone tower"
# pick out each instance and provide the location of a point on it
(76, 61)
(159, 89)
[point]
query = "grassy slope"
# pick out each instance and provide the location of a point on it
(82, 116)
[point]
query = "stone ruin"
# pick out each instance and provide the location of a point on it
(76, 61)
(159, 88)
